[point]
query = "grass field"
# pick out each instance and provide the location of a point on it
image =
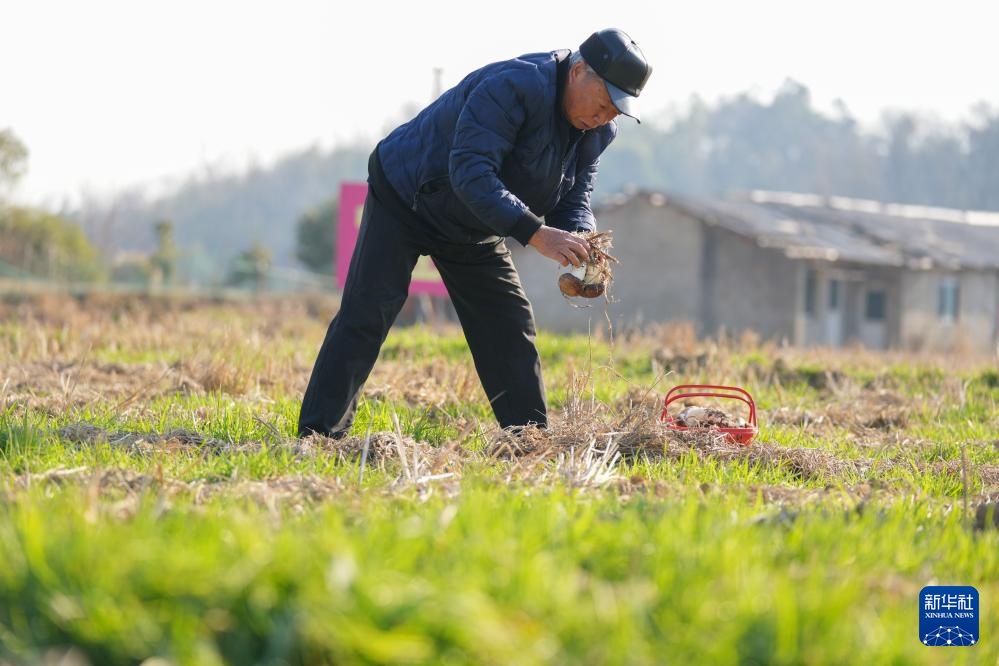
(155, 503)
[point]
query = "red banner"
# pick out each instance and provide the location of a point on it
(426, 279)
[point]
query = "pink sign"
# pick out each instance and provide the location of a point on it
(426, 279)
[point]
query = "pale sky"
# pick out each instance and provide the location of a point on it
(113, 93)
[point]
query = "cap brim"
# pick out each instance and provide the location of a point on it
(626, 104)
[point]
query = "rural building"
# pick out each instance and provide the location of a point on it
(805, 269)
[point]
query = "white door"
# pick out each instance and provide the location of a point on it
(834, 313)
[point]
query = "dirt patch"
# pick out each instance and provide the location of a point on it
(379, 448)
(125, 486)
(639, 397)
(818, 378)
(857, 412)
(644, 436)
(799, 418)
(120, 492)
(172, 441)
(681, 362)
(440, 383)
(386, 450)
(57, 386)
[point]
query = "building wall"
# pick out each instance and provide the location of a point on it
(750, 288)
(678, 268)
(658, 278)
(974, 329)
(674, 268)
(847, 322)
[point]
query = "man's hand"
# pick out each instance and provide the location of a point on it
(562, 246)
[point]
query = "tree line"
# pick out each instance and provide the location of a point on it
(38, 245)
(743, 143)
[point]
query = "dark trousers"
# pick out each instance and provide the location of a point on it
(484, 286)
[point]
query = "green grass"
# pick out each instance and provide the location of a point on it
(497, 575)
(261, 555)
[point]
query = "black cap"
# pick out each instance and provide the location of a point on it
(621, 64)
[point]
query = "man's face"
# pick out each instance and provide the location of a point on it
(586, 103)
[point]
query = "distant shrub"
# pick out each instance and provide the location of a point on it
(315, 234)
(47, 246)
(989, 378)
(135, 272)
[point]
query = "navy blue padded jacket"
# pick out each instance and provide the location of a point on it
(487, 157)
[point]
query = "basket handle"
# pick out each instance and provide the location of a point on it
(710, 391)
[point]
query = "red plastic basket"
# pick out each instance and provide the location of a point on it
(742, 436)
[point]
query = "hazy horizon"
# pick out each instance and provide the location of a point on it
(110, 94)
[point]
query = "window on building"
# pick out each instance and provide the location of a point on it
(810, 287)
(948, 300)
(874, 305)
(834, 294)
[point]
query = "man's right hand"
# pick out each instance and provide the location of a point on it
(562, 246)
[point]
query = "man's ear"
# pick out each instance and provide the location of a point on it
(577, 71)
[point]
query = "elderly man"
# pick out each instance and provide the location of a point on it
(513, 142)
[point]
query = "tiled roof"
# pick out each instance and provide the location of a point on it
(853, 230)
